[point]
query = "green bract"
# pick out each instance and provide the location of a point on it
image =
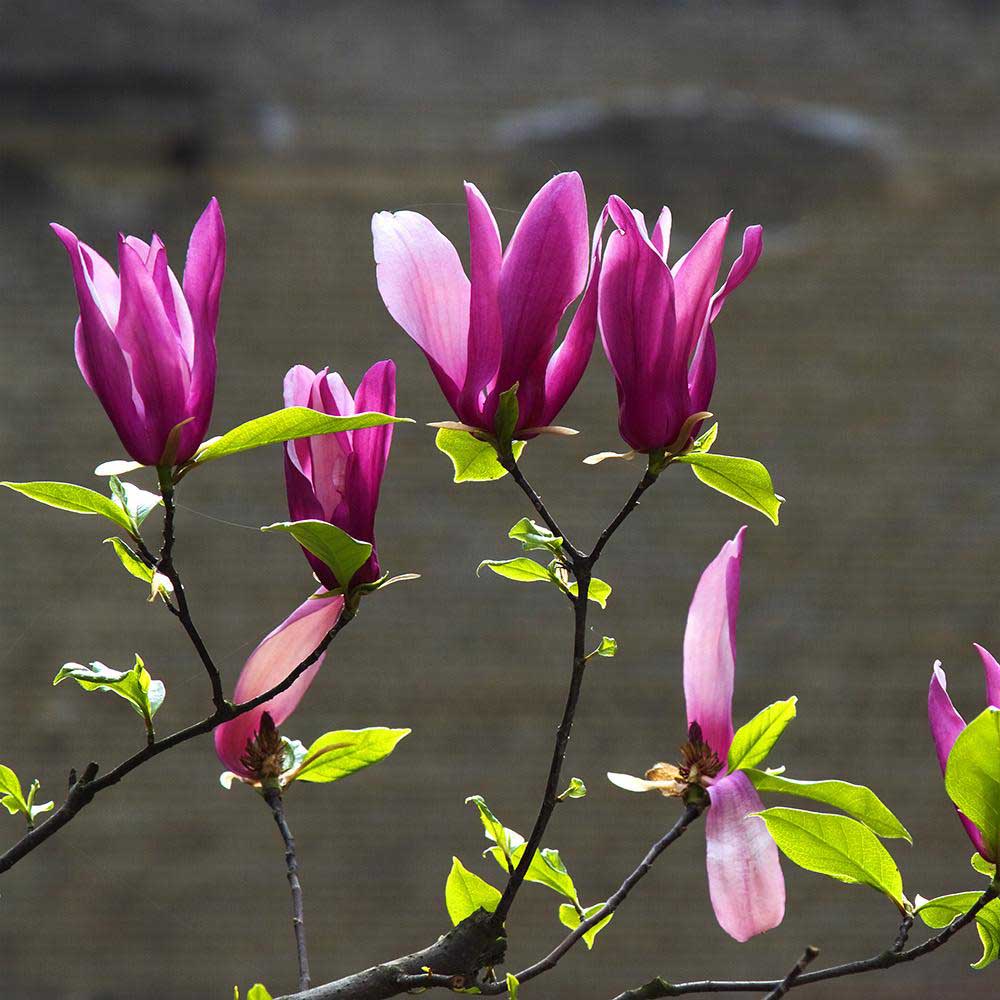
(475, 461)
(286, 425)
(136, 686)
(972, 777)
(755, 740)
(343, 554)
(836, 846)
(77, 499)
(337, 754)
(984, 867)
(506, 418)
(855, 800)
(136, 503)
(465, 893)
(942, 911)
(569, 917)
(743, 479)
(13, 798)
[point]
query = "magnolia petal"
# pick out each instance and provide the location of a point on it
(660, 237)
(745, 881)
(944, 719)
(753, 247)
(603, 456)
(694, 284)
(273, 659)
(633, 784)
(992, 671)
(710, 647)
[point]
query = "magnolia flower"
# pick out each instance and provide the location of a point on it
(145, 344)
(744, 874)
(656, 324)
(336, 477)
(946, 724)
(483, 335)
(271, 662)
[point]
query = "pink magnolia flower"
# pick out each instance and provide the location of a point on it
(483, 335)
(336, 477)
(145, 344)
(744, 873)
(270, 663)
(656, 323)
(946, 724)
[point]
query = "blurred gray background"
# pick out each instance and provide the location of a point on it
(859, 363)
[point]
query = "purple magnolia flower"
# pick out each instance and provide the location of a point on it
(482, 336)
(946, 724)
(656, 324)
(145, 343)
(278, 654)
(744, 873)
(336, 477)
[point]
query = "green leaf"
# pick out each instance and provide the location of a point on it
(466, 893)
(855, 800)
(130, 560)
(940, 912)
(546, 869)
(836, 846)
(136, 686)
(754, 741)
(13, 799)
(337, 754)
(137, 503)
(507, 840)
(505, 422)
(513, 986)
(535, 536)
(984, 867)
(972, 777)
(522, 569)
(286, 425)
(77, 499)
(258, 992)
(598, 592)
(608, 646)
(704, 441)
(343, 554)
(576, 790)
(475, 461)
(569, 917)
(743, 479)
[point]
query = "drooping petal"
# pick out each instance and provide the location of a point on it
(944, 719)
(710, 647)
(543, 271)
(204, 271)
(276, 656)
(992, 670)
(98, 353)
(423, 286)
(485, 338)
(745, 881)
(753, 247)
(636, 308)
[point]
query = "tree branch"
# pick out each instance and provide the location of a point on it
(808, 956)
(88, 785)
(272, 796)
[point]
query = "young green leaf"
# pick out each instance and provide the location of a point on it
(137, 503)
(704, 441)
(506, 840)
(505, 422)
(14, 800)
(608, 646)
(855, 800)
(546, 868)
(78, 499)
(755, 740)
(342, 553)
(465, 893)
(130, 560)
(136, 686)
(972, 777)
(337, 754)
(522, 569)
(576, 790)
(475, 461)
(258, 992)
(743, 479)
(286, 425)
(984, 867)
(598, 592)
(535, 536)
(513, 986)
(569, 917)
(835, 846)
(940, 912)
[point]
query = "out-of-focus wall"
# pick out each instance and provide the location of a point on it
(859, 362)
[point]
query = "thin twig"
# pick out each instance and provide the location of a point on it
(165, 565)
(84, 790)
(690, 814)
(808, 957)
(272, 796)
